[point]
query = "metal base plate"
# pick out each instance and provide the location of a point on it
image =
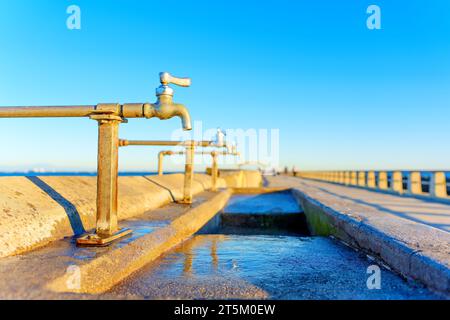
(93, 240)
(184, 201)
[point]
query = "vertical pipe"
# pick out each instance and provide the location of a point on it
(160, 163)
(214, 171)
(108, 151)
(415, 183)
(188, 173)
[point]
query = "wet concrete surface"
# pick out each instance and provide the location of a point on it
(264, 267)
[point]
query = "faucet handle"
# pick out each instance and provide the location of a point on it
(166, 78)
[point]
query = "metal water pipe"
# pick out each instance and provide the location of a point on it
(189, 146)
(214, 166)
(108, 117)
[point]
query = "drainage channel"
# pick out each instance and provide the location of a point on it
(259, 247)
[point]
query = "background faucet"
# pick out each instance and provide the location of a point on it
(214, 166)
(189, 146)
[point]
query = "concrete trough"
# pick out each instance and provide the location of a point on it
(260, 211)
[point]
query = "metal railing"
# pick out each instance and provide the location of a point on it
(422, 183)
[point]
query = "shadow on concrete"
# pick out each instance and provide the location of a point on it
(71, 210)
(400, 214)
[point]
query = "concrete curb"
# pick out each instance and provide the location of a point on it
(104, 272)
(394, 251)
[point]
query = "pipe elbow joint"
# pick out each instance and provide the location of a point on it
(182, 112)
(166, 111)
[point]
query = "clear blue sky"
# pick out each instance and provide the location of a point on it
(342, 96)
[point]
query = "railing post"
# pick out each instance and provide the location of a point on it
(361, 179)
(371, 183)
(415, 183)
(397, 181)
(353, 178)
(382, 180)
(341, 179)
(438, 185)
(335, 176)
(346, 178)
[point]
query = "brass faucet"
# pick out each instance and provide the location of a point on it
(109, 116)
(165, 108)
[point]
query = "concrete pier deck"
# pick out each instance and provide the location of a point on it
(407, 235)
(411, 235)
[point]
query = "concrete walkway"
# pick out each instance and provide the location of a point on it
(410, 235)
(428, 212)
